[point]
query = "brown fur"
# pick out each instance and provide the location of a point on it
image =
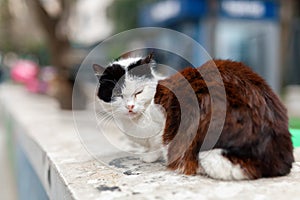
(255, 133)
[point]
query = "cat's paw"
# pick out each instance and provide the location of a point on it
(151, 157)
(134, 149)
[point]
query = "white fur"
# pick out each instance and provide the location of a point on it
(215, 165)
(144, 124)
(125, 62)
(151, 156)
(147, 132)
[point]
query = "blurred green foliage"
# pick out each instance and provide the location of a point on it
(294, 122)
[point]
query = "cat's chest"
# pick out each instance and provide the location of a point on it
(148, 126)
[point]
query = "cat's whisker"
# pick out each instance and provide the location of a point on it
(104, 118)
(146, 115)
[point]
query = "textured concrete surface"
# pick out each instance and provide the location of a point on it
(7, 182)
(77, 162)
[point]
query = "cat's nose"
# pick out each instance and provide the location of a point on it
(130, 107)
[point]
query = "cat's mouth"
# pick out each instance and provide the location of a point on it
(132, 114)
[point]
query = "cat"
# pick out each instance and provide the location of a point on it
(126, 93)
(254, 142)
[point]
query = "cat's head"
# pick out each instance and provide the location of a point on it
(127, 86)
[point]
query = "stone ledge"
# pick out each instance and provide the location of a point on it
(68, 171)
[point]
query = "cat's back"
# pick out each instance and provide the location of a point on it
(234, 76)
(232, 73)
(242, 88)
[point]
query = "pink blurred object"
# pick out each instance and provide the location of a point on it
(24, 71)
(33, 86)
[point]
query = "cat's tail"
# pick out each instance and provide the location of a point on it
(215, 164)
(223, 165)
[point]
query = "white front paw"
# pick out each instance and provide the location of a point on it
(151, 157)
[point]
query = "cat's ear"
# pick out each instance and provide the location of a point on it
(148, 59)
(99, 70)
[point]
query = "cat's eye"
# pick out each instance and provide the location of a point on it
(137, 93)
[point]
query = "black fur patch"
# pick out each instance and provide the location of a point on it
(111, 81)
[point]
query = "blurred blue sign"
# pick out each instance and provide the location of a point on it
(164, 13)
(249, 9)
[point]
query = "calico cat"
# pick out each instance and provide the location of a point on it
(254, 142)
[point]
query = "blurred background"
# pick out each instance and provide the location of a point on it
(43, 42)
(54, 36)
